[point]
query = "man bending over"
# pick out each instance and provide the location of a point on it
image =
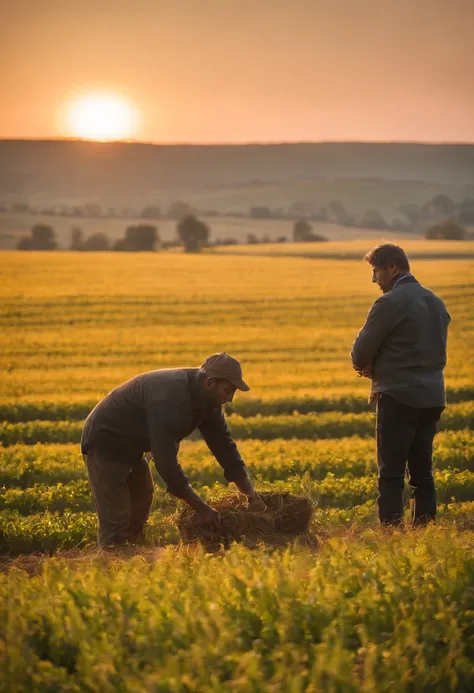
(155, 411)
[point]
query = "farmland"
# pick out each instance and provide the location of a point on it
(417, 247)
(368, 610)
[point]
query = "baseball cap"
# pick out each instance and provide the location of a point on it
(223, 365)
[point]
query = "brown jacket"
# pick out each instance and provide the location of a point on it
(155, 411)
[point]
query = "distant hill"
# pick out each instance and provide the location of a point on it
(220, 176)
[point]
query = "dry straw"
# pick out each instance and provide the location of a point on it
(286, 518)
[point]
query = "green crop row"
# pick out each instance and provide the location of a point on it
(350, 491)
(268, 461)
(74, 496)
(331, 491)
(346, 404)
(24, 465)
(333, 424)
(50, 410)
(323, 425)
(51, 531)
(70, 498)
(15, 412)
(40, 431)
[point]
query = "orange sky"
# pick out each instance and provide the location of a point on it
(245, 70)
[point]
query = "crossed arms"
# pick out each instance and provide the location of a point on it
(379, 323)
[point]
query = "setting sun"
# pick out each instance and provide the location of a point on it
(101, 116)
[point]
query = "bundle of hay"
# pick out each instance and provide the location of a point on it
(285, 518)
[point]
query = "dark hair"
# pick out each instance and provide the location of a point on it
(202, 374)
(388, 254)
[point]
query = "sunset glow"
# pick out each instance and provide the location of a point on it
(144, 72)
(101, 116)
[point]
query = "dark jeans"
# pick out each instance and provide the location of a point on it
(122, 495)
(405, 437)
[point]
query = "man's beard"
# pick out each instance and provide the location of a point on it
(212, 402)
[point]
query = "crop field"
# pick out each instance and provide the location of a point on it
(365, 609)
(418, 248)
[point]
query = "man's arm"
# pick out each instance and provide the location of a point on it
(379, 323)
(164, 447)
(218, 438)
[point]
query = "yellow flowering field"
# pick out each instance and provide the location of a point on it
(365, 610)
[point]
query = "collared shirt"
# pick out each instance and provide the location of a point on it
(404, 341)
(155, 411)
(399, 279)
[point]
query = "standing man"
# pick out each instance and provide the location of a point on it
(402, 349)
(155, 411)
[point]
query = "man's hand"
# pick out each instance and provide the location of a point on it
(365, 372)
(256, 504)
(209, 517)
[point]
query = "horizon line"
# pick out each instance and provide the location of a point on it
(246, 143)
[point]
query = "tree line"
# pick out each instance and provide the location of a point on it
(192, 234)
(408, 217)
(440, 218)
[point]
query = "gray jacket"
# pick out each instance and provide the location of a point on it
(404, 340)
(155, 411)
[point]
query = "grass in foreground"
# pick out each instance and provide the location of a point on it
(368, 613)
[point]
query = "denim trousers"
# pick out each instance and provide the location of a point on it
(122, 493)
(404, 438)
